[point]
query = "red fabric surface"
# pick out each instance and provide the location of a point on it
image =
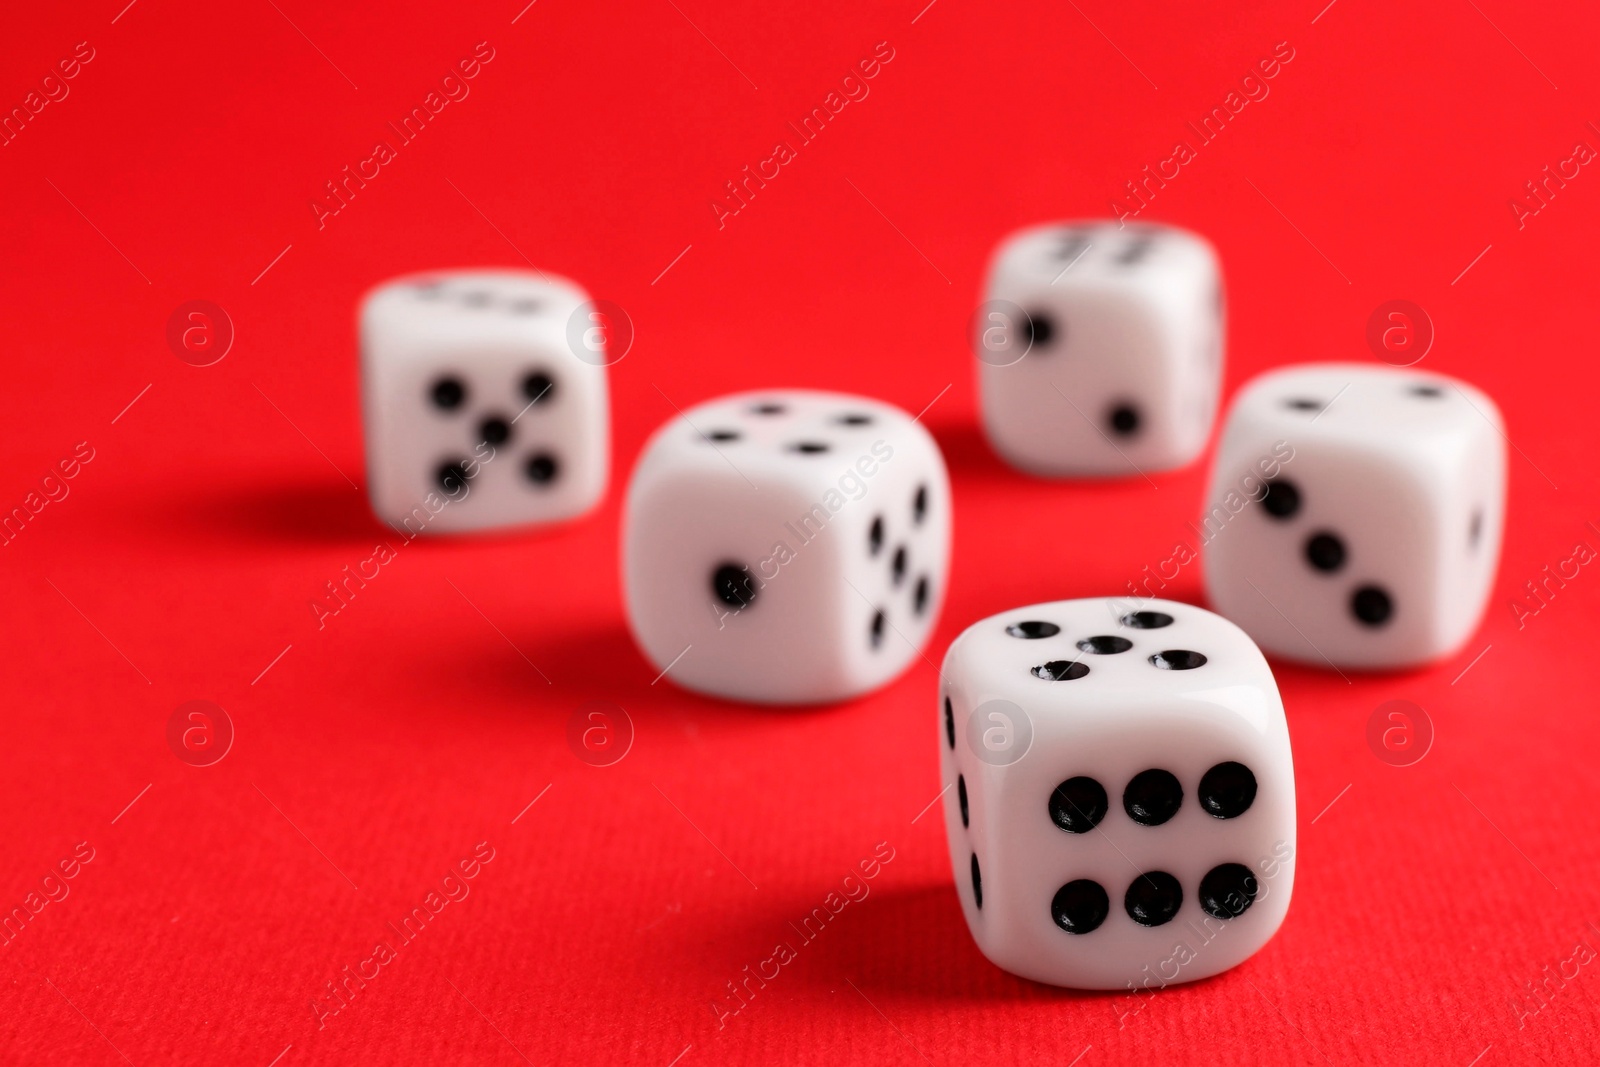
(376, 753)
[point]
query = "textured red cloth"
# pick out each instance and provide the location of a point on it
(381, 756)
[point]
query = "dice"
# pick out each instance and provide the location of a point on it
(1354, 514)
(786, 547)
(1118, 792)
(478, 411)
(1100, 348)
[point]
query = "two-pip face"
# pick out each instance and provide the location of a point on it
(1100, 348)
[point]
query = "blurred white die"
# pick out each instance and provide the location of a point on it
(477, 412)
(1354, 514)
(1119, 792)
(1100, 348)
(786, 547)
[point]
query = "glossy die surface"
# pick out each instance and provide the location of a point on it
(1119, 792)
(477, 413)
(786, 546)
(1376, 544)
(1100, 348)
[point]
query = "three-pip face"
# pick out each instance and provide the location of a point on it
(1375, 541)
(478, 411)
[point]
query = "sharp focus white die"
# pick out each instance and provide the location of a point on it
(786, 547)
(477, 412)
(1100, 348)
(1375, 540)
(1119, 792)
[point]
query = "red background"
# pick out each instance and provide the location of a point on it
(380, 749)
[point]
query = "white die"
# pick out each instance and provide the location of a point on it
(1374, 543)
(1100, 348)
(786, 547)
(477, 412)
(1114, 823)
